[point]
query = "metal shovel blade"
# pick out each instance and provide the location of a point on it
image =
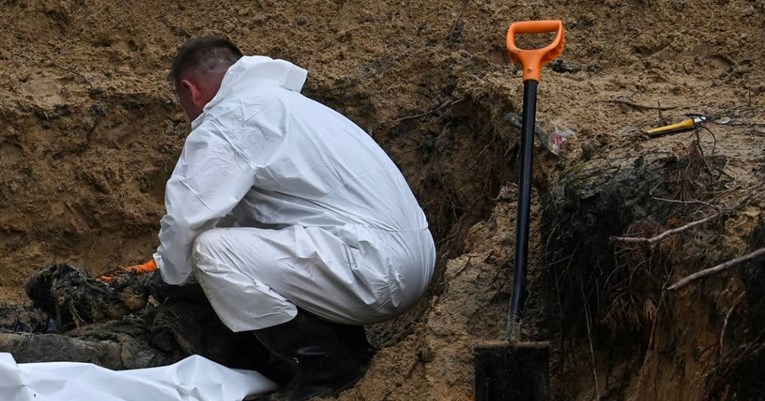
(512, 372)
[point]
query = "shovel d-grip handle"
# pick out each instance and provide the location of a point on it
(533, 60)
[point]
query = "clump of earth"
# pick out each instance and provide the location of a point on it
(90, 131)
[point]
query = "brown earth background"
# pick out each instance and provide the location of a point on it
(90, 131)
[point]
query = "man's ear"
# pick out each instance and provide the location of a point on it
(192, 91)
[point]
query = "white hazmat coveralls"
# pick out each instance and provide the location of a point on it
(323, 219)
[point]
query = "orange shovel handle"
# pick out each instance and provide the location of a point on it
(533, 60)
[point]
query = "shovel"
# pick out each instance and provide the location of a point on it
(520, 371)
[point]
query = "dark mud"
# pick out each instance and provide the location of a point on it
(132, 322)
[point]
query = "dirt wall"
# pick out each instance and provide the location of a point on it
(90, 131)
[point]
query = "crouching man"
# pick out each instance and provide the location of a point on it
(295, 223)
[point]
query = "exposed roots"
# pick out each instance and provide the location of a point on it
(737, 375)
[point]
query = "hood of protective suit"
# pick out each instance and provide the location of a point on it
(250, 70)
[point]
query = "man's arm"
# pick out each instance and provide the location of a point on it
(210, 179)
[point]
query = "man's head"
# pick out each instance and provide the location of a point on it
(198, 70)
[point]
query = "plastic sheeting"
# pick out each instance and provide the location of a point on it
(192, 379)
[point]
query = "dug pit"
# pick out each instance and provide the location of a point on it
(89, 133)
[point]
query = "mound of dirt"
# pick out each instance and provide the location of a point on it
(90, 131)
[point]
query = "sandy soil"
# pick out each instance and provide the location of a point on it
(90, 131)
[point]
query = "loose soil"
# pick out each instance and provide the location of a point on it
(90, 131)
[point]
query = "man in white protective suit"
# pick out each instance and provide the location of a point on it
(295, 223)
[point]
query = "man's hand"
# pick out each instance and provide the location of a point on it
(141, 269)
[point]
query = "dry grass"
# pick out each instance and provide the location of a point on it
(691, 177)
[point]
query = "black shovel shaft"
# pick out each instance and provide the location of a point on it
(524, 200)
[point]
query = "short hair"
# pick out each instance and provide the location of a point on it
(203, 55)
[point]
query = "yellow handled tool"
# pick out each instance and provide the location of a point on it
(689, 124)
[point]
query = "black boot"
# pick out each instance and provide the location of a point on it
(325, 367)
(355, 340)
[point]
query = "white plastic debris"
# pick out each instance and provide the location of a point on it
(550, 134)
(553, 135)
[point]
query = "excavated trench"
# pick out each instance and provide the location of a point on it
(599, 301)
(456, 158)
(89, 135)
